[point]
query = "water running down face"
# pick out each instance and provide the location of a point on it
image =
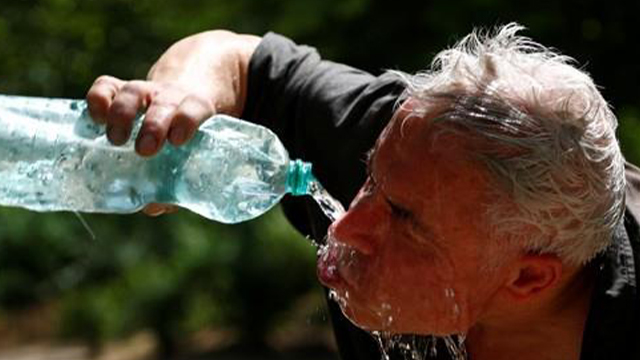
(407, 255)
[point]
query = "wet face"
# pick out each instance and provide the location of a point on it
(410, 254)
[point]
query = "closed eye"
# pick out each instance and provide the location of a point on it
(399, 211)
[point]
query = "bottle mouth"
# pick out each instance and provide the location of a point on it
(299, 177)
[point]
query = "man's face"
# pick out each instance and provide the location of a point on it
(409, 255)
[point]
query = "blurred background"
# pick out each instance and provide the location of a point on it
(180, 287)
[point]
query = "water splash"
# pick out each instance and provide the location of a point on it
(455, 346)
(416, 347)
(331, 207)
(383, 341)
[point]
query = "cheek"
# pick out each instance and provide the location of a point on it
(420, 295)
(414, 277)
(414, 271)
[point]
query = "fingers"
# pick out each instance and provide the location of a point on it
(132, 98)
(172, 112)
(193, 110)
(166, 119)
(154, 129)
(116, 103)
(100, 96)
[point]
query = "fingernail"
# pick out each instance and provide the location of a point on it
(117, 135)
(177, 135)
(147, 144)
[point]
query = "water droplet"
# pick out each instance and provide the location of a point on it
(416, 347)
(315, 243)
(333, 295)
(382, 344)
(389, 321)
(456, 310)
(321, 249)
(433, 349)
(331, 270)
(448, 292)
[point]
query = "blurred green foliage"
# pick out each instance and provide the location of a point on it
(178, 274)
(173, 275)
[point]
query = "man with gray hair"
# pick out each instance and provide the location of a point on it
(493, 204)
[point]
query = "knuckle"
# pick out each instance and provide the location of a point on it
(154, 129)
(95, 99)
(139, 90)
(196, 100)
(107, 83)
(121, 112)
(185, 117)
(159, 112)
(202, 104)
(133, 87)
(186, 111)
(104, 79)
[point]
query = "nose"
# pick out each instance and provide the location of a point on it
(359, 226)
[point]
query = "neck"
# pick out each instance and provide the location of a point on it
(551, 329)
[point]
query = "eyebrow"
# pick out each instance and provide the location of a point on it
(369, 161)
(425, 230)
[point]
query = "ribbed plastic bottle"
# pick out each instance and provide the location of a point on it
(53, 157)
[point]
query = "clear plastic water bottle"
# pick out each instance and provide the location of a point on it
(53, 157)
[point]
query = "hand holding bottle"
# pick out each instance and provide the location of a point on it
(197, 77)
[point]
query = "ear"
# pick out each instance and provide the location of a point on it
(532, 274)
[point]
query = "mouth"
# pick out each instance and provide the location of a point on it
(327, 267)
(338, 266)
(344, 269)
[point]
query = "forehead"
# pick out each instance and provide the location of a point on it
(409, 137)
(428, 157)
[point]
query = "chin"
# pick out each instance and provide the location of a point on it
(374, 317)
(368, 320)
(385, 319)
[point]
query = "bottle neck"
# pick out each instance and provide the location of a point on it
(299, 177)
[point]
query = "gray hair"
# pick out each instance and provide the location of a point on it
(548, 135)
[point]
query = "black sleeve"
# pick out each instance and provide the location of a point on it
(326, 113)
